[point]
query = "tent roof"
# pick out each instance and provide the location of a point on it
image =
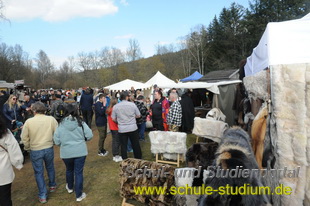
(195, 76)
(4, 84)
(213, 87)
(126, 85)
(219, 75)
(159, 79)
(284, 42)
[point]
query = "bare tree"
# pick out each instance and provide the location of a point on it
(164, 49)
(44, 66)
(84, 62)
(186, 57)
(195, 43)
(133, 52)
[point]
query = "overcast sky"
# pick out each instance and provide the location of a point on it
(63, 28)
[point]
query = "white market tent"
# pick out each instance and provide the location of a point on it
(126, 85)
(284, 42)
(161, 80)
(213, 87)
(284, 49)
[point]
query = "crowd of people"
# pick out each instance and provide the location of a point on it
(33, 122)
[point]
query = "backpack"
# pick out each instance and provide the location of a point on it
(60, 111)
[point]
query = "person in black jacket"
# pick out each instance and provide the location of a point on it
(141, 122)
(3, 98)
(188, 112)
(101, 123)
(86, 104)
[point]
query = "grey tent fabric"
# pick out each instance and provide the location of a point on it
(225, 102)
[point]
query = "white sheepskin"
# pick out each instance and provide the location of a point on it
(307, 195)
(168, 142)
(209, 128)
(290, 98)
(259, 88)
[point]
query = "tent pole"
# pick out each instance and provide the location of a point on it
(216, 101)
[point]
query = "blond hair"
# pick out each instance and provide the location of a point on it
(10, 101)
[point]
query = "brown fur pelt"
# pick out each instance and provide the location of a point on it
(128, 183)
(258, 133)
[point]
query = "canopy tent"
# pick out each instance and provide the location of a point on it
(283, 49)
(284, 42)
(126, 85)
(212, 87)
(195, 76)
(159, 79)
(6, 85)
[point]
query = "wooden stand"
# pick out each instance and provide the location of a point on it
(177, 163)
(124, 203)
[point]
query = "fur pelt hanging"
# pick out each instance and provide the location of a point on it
(234, 150)
(258, 133)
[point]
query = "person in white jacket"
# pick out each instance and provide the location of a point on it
(10, 155)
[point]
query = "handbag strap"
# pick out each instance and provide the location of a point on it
(84, 132)
(3, 148)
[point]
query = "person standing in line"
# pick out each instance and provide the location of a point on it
(188, 112)
(159, 111)
(114, 131)
(28, 101)
(101, 123)
(56, 110)
(12, 111)
(37, 136)
(10, 155)
(141, 122)
(174, 117)
(71, 136)
(86, 103)
(125, 114)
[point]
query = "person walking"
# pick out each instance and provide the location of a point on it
(86, 103)
(125, 114)
(101, 123)
(71, 136)
(37, 136)
(10, 155)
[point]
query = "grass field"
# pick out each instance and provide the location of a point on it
(101, 178)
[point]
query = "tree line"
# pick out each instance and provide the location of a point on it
(229, 38)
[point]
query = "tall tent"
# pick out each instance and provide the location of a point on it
(195, 76)
(285, 42)
(284, 50)
(126, 85)
(161, 80)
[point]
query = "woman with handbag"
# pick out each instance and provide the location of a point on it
(12, 111)
(10, 155)
(71, 136)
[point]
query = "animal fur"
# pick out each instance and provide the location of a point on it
(234, 150)
(201, 154)
(258, 132)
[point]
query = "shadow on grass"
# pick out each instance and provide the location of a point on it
(101, 178)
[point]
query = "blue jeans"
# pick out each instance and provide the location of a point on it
(37, 159)
(141, 130)
(74, 170)
(129, 147)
